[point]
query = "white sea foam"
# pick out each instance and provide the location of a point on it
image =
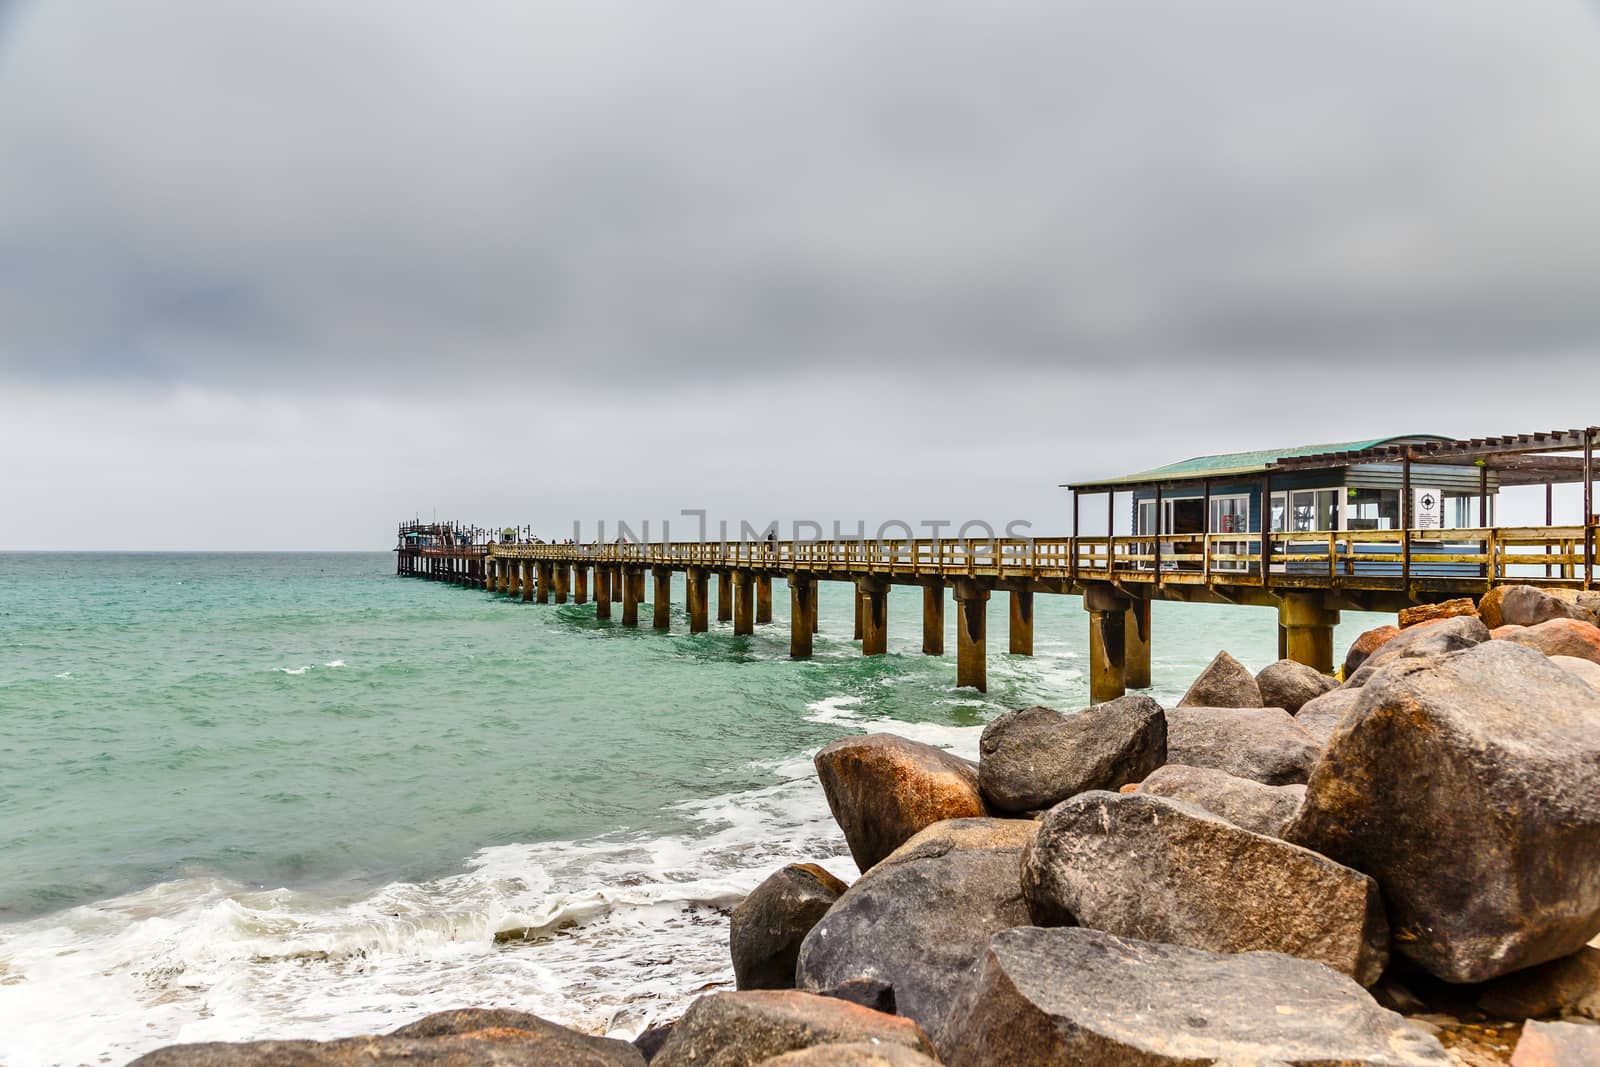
(608, 934)
(334, 663)
(64, 674)
(295, 670)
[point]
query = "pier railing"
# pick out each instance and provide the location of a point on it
(1538, 555)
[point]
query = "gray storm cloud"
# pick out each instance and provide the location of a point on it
(227, 192)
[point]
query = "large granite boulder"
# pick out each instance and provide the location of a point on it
(1569, 986)
(1036, 757)
(1557, 1045)
(1423, 641)
(1587, 669)
(1560, 637)
(856, 1054)
(768, 925)
(747, 1028)
(1137, 865)
(921, 918)
(1225, 683)
(1320, 716)
(466, 1038)
(1288, 685)
(1528, 605)
(1469, 786)
(1042, 998)
(1248, 804)
(1364, 646)
(882, 789)
(1264, 744)
(1449, 609)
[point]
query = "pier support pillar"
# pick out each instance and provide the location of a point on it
(802, 616)
(1021, 622)
(630, 597)
(580, 585)
(1108, 644)
(547, 578)
(1307, 629)
(661, 603)
(698, 589)
(563, 581)
(763, 599)
(933, 619)
(861, 624)
(616, 585)
(724, 596)
(874, 600)
(744, 607)
(524, 575)
(488, 574)
(603, 577)
(1136, 644)
(972, 611)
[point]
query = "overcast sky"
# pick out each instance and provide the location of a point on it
(275, 275)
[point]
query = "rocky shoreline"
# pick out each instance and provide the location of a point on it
(1399, 867)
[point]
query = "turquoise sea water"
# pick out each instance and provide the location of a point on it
(295, 795)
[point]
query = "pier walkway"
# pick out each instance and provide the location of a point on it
(1308, 577)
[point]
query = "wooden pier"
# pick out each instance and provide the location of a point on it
(1307, 576)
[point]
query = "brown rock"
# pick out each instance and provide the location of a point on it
(747, 1028)
(1426, 639)
(1169, 871)
(470, 1038)
(1366, 645)
(1320, 716)
(1561, 637)
(1264, 744)
(1557, 1045)
(1500, 633)
(1586, 669)
(1248, 804)
(857, 1054)
(1567, 986)
(1033, 758)
(1468, 785)
(1528, 605)
(920, 919)
(1225, 683)
(1288, 685)
(768, 925)
(882, 789)
(1429, 612)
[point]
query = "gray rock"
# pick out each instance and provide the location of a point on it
(1421, 641)
(1248, 804)
(1527, 605)
(1036, 757)
(1568, 986)
(768, 925)
(1567, 638)
(1043, 998)
(466, 1038)
(1264, 744)
(1143, 866)
(749, 1027)
(882, 789)
(1319, 717)
(1557, 1045)
(1588, 670)
(1288, 685)
(1225, 683)
(857, 1054)
(920, 919)
(1469, 787)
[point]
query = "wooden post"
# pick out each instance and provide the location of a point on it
(1108, 612)
(860, 631)
(1136, 644)
(603, 577)
(802, 615)
(1021, 620)
(763, 599)
(580, 584)
(873, 597)
(972, 606)
(724, 595)
(744, 608)
(697, 586)
(933, 618)
(630, 597)
(563, 578)
(661, 604)
(1072, 564)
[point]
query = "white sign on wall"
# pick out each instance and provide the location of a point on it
(1427, 509)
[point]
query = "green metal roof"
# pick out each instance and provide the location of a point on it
(1238, 463)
